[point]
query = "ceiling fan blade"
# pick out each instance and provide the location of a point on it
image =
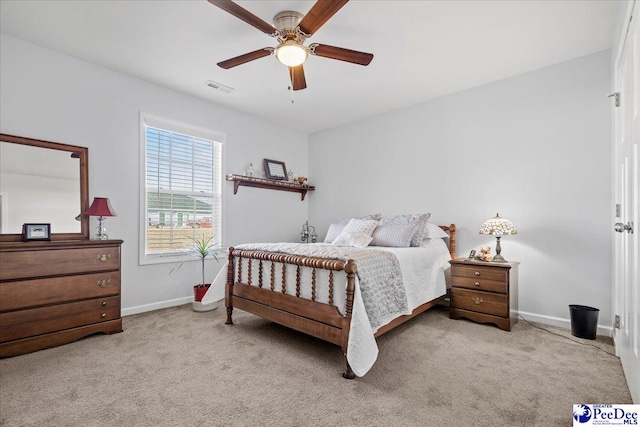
(247, 57)
(248, 17)
(341, 54)
(319, 14)
(298, 81)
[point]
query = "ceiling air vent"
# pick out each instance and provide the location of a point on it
(219, 86)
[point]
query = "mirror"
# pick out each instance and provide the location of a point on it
(43, 182)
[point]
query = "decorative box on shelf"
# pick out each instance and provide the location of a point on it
(270, 184)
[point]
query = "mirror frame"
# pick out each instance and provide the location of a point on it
(83, 155)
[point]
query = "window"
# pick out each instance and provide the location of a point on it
(182, 197)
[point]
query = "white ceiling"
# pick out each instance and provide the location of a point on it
(423, 49)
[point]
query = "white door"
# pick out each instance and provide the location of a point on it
(627, 138)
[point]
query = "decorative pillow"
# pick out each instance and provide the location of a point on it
(372, 216)
(435, 232)
(420, 220)
(355, 225)
(377, 217)
(334, 231)
(396, 236)
(358, 240)
(336, 228)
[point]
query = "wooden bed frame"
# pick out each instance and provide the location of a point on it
(321, 320)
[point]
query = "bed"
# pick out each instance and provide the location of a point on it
(318, 289)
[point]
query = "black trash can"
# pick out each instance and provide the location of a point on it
(584, 321)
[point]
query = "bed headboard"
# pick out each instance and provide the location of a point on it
(451, 230)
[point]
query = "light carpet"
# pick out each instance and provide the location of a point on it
(176, 367)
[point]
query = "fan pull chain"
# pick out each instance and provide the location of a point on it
(291, 90)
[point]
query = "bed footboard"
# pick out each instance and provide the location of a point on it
(263, 297)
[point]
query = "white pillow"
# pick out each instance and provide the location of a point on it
(355, 225)
(396, 236)
(336, 228)
(334, 231)
(358, 240)
(420, 220)
(435, 232)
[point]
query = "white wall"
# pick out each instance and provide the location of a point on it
(535, 148)
(46, 95)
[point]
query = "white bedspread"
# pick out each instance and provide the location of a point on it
(423, 277)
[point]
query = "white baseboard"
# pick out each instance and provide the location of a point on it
(560, 322)
(156, 306)
(530, 317)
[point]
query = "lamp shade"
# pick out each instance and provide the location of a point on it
(498, 226)
(100, 207)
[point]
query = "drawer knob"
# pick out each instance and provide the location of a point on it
(104, 303)
(476, 300)
(104, 257)
(103, 283)
(477, 273)
(103, 315)
(477, 283)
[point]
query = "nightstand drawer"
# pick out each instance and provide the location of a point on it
(481, 302)
(479, 272)
(480, 284)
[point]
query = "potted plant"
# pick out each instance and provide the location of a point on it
(202, 248)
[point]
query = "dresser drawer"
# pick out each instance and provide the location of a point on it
(480, 284)
(36, 292)
(52, 312)
(482, 302)
(479, 272)
(81, 317)
(39, 263)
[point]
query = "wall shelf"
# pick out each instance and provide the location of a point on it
(270, 184)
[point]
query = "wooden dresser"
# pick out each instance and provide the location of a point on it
(484, 292)
(53, 293)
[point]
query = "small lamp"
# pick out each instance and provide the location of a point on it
(498, 227)
(100, 208)
(308, 232)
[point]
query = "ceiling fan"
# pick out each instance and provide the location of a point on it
(291, 29)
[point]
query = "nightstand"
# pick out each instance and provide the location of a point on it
(484, 292)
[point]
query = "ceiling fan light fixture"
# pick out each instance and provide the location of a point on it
(291, 53)
(291, 29)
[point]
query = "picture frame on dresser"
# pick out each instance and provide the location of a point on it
(36, 232)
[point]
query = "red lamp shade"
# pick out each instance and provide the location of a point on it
(100, 207)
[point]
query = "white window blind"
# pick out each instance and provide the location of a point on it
(183, 197)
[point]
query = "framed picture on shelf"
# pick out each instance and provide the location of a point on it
(36, 232)
(275, 169)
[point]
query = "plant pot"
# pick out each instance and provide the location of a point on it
(198, 294)
(199, 291)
